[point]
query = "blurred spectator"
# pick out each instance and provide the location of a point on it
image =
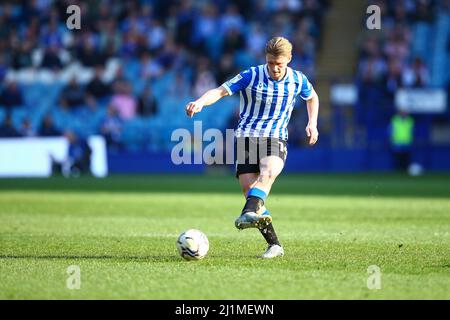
(206, 25)
(51, 59)
(169, 55)
(186, 15)
(150, 68)
(423, 12)
(204, 79)
(97, 87)
(156, 35)
(3, 67)
(47, 128)
(79, 155)
(402, 138)
(51, 33)
(148, 105)
(393, 80)
(109, 37)
(256, 41)
(7, 129)
(303, 61)
(231, 19)
(180, 89)
(88, 55)
(73, 94)
(123, 101)
(417, 75)
(372, 69)
(288, 5)
(226, 69)
(21, 56)
(133, 44)
(26, 130)
(11, 96)
(233, 41)
(111, 129)
(396, 48)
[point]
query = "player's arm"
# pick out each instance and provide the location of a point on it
(210, 97)
(312, 105)
(238, 83)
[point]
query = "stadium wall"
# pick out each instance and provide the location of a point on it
(298, 160)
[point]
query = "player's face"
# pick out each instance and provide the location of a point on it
(277, 66)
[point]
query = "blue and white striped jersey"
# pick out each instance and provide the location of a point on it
(266, 105)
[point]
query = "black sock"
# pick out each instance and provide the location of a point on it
(253, 204)
(270, 235)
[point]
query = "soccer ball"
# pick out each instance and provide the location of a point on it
(192, 244)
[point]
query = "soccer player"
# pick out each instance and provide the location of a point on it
(267, 97)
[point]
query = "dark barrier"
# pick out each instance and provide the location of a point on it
(298, 160)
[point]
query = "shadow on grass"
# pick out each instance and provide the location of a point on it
(93, 257)
(168, 258)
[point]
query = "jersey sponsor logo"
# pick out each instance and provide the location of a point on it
(235, 79)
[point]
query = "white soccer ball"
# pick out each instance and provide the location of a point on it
(192, 244)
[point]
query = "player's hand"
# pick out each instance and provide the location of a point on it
(312, 133)
(193, 108)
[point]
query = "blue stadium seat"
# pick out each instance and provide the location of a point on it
(420, 42)
(439, 58)
(18, 115)
(2, 114)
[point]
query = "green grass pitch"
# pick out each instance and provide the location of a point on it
(121, 232)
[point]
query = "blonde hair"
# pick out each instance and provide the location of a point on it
(279, 46)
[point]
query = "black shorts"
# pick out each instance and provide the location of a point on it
(249, 152)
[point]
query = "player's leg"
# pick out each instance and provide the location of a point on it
(247, 171)
(271, 167)
(271, 153)
(254, 213)
(247, 181)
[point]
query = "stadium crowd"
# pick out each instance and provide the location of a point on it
(404, 54)
(129, 70)
(124, 52)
